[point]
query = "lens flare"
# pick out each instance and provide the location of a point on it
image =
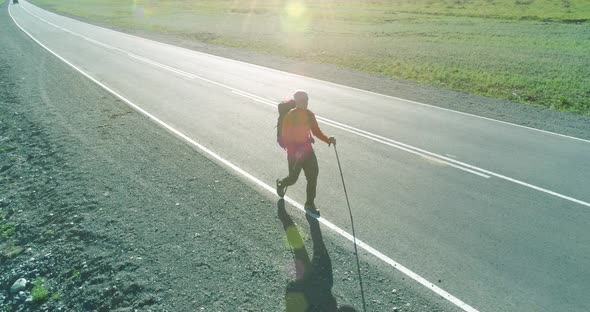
(295, 302)
(293, 238)
(295, 9)
(143, 8)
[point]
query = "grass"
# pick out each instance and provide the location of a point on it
(55, 296)
(7, 230)
(8, 249)
(75, 274)
(528, 51)
(40, 293)
(5, 149)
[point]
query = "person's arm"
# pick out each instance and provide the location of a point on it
(315, 129)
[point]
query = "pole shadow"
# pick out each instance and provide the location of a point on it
(312, 288)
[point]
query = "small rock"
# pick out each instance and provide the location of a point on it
(19, 285)
(29, 299)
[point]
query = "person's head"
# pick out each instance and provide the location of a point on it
(301, 99)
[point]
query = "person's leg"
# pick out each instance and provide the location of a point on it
(294, 171)
(311, 170)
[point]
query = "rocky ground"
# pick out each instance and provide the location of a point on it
(102, 210)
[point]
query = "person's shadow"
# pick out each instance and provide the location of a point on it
(312, 288)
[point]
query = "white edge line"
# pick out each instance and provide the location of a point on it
(369, 135)
(330, 225)
(325, 81)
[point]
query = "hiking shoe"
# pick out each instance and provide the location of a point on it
(280, 189)
(312, 208)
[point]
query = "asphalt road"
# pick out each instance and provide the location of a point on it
(493, 213)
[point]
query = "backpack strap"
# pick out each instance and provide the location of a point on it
(309, 119)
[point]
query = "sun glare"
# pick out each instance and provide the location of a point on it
(296, 17)
(295, 9)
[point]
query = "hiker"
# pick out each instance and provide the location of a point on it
(294, 133)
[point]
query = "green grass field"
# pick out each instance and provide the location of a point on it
(528, 51)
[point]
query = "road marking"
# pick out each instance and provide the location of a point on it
(404, 149)
(450, 160)
(328, 122)
(253, 98)
(178, 71)
(446, 160)
(375, 137)
(328, 82)
(459, 303)
(336, 125)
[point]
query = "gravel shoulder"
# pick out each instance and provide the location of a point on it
(112, 213)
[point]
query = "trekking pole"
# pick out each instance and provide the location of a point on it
(358, 265)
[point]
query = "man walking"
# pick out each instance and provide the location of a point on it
(295, 135)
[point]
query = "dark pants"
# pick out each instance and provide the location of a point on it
(309, 163)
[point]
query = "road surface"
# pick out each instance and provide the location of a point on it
(493, 213)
